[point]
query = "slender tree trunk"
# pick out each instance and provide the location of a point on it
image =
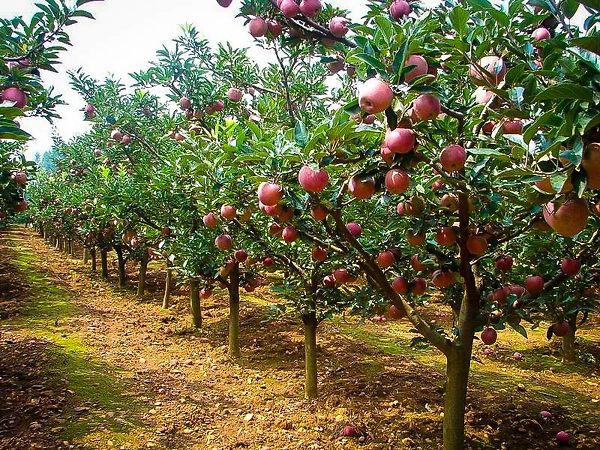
(568, 343)
(168, 282)
(234, 312)
(121, 263)
(457, 379)
(310, 355)
(57, 243)
(93, 256)
(142, 276)
(86, 255)
(71, 247)
(104, 260)
(195, 304)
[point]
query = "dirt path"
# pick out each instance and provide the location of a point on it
(120, 373)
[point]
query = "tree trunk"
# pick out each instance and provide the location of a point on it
(234, 312)
(310, 354)
(86, 255)
(57, 243)
(71, 247)
(568, 343)
(121, 263)
(104, 258)
(142, 276)
(93, 256)
(458, 364)
(195, 304)
(168, 282)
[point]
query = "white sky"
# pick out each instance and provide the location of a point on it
(123, 38)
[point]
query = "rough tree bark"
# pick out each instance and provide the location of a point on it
(310, 354)
(168, 287)
(234, 312)
(195, 304)
(142, 275)
(568, 342)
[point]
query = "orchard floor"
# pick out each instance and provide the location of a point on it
(86, 365)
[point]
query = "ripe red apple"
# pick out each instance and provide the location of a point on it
(369, 119)
(89, 110)
(517, 356)
(443, 278)
(234, 94)
(350, 431)
(494, 71)
(540, 34)
(415, 238)
(483, 96)
(545, 414)
(453, 158)
(257, 27)
(268, 261)
(361, 189)
(386, 259)
(414, 206)
(313, 180)
(338, 26)
(14, 95)
(477, 245)
(570, 266)
(210, 220)
(319, 212)
(185, 103)
(275, 28)
(329, 281)
(387, 155)
(513, 126)
(21, 206)
(534, 284)
(489, 336)
(228, 212)
(562, 438)
(421, 67)
(224, 3)
(567, 219)
(488, 127)
(401, 209)
(375, 96)
(241, 255)
(289, 234)
(449, 201)
(400, 140)
(561, 328)
(310, 8)
(223, 242)
(126, 140)
(272, 211)
(341, 276)
(427, 107)
(397, 181)
(591, 165)
(419, 286)
(319, 254)
(400, 285)
(399, 9)
(165, 230)
(395, 312)
(205, 293)
(289, 8)
(417, 265)
(20, 178)
(545, 185)
(445, 236)
(500, 295)
(116, 135)
(354, 228)
(269, 194)
(504, 263)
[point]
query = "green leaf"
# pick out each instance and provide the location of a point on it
(369, 60)
(589, 43)
(536, 125)
(574, 154)
(301, 134)
(569, 7)
(82, 13)
(519, 329)
(459, 17)
(13, 133)
(566, 90)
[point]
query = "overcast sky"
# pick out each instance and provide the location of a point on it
(124, 38)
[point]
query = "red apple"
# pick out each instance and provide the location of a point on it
(329, 281)
(414, 238)
(561, 328)
(269, 194)
(228, 212)
(205, 293)
(540, 34)
(319, 212)
(223, 242)
(185, 103)
(591, 165)
(453, 158)
(443, 278)
(570, 266)
(241, 255)
(257, 27)
(313, 180)
(420, 67)
(397, 181)
(268, 261)
(567, 219)
(224, 3)
(375, 96)
(562, 438)
(400, 285)
(20, 178)
(289, 8)
(210, 220)
(234, 94)
(319, 254)
(419, 286)
(354, 228)
(446, 236)
(400, 140)
(289, 234)
(310, 8)
(165, 230)
(21, 206)
(338, 26)
(477, 245)
(275, 229)
(427, 107)
(116, 135)
(504, 263)
(14, 95)
(489, 336)
(386, 259)
(361, 189)
(417, 265)
(491, 69)
(89, 110)
(395, 312)
(399, 9)
(275, 28)
(534, 284)
(512, 126)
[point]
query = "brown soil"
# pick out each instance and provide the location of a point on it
(157, 383)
